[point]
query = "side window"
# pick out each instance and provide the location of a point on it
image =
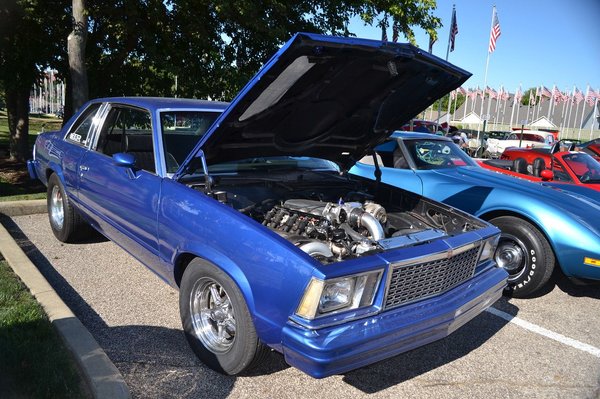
(80, 131)
(128, 130)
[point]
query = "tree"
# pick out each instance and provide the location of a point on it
(76, 47)
(27, 45)
(213, 48)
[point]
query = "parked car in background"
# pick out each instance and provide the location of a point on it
(248, 210)
(527, 139)
(549, 164)
(591, 147)
(542, 227)
(424, 126)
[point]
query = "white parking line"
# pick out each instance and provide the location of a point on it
(546, 333)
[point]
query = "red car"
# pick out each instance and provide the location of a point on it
(548, 164)
(591, 147)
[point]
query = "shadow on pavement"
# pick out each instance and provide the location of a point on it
(390, 372)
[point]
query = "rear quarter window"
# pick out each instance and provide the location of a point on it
(80, 131)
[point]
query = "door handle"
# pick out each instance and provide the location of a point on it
(83, 168)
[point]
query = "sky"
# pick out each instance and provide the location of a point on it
(542, 42)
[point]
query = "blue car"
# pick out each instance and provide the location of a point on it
(543, 225)
(247, 208)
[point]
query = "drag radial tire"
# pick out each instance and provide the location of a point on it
(216, 320)
(66, 223)
(525, 254)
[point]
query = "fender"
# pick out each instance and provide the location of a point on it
(220, 260)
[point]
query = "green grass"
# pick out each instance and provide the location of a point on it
(34, 363)
(21, 197)
(36, 126)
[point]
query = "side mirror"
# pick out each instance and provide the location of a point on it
(124, 159)
(547, 175)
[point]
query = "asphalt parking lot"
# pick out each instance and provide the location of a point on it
(546, 347)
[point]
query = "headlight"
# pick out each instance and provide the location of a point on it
(489, 248)
(325, 297)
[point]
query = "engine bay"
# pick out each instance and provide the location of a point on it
(341, 218)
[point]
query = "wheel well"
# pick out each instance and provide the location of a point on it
(48, 173)
(182, 262)
(494, 214)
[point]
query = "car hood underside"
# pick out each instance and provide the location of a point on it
(327, 97)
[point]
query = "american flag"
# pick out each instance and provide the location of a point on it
(518, 95)
(491, 92)
(545, 92)
(432, 40)
(532, 97)
(578, 97)
(453, 29)
(495, 33)
(462, 91)
(556, 94)
(384, 25)
(395, 32)
(591, 97)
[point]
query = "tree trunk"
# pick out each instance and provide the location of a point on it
(76, 47)
(17, 106)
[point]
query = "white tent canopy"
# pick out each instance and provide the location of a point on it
(471, 118)
(542, 122)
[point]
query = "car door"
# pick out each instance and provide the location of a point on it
(124, 200)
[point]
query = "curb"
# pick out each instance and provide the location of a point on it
(101, 376)
(21, 208)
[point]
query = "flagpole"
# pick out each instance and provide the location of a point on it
(452, 22)
(512, 112)
(593, 116)
(466, 104)
(449, 105)
(487, 64)
(570, 110)
(587, 92)
(576, 114)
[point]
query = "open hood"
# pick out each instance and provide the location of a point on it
(327, 97)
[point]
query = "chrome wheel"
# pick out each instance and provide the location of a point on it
(511, 255)
(57, 212)
(212, 315)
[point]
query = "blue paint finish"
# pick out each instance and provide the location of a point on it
(570, 221)
(124, 201)
(338, 349)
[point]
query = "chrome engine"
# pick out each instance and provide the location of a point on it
(328, 230)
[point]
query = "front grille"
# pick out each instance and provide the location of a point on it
(415, 281)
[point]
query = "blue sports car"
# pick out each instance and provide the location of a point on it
(248, 209)
(542, 225)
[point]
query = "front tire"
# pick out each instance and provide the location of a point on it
(216, 320)
(525, 254)
(66, 223)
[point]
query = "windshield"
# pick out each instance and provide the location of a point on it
(437, 154)
(529, 137)
(274, 164)
(180, 131)
(586, 168)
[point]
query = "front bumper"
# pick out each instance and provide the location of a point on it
(334, 350)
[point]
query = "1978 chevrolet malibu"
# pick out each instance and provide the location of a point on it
(247, 208)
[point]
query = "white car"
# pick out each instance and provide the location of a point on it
(530, 139)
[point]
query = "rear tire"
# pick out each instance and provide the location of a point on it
(525, 254)
(216, 320)
(66, 223)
